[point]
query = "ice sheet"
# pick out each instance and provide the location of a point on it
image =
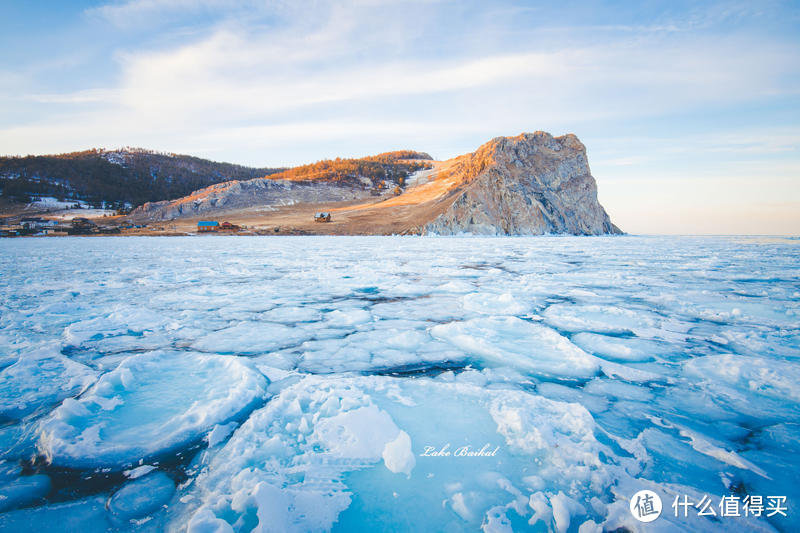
(292, 383)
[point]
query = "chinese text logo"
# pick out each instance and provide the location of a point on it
(646, 506)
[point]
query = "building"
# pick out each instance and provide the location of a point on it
(227, 226)
(322, 217)
(82, 226)
(207, 226)
(30, 222)
(37, 223)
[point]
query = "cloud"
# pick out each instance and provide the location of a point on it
(284, 66)
(133, 13)
(88, 96)
(239, 75)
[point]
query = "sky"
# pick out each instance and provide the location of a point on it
(690, 111)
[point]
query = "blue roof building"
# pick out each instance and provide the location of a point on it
(207, 225)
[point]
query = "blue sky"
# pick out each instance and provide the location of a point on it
(690, 112)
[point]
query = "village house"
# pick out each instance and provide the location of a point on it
(37, 223)
(207, 226)
(227, 226)
(82, 226)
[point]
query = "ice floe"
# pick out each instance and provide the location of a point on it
(41, 377)
(151, 404)
(141, 497)
(524, 345)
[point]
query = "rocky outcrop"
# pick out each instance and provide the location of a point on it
(263, 193)
(532, 184)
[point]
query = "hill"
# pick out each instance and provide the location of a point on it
(130, 176)
(334, 180)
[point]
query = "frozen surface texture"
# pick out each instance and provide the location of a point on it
(237, 384)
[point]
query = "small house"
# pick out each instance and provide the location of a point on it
(206, 226)
(322, 217)
(81, 226)
(227, 226)
(31, 222)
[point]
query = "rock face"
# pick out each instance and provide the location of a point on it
(531, 184)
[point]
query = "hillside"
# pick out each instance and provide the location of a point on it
(128, 176)
(367, 171)
(531, 184)
(335, 180)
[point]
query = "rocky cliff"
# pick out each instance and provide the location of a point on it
(531, 184)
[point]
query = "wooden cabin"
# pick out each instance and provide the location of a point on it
(207, 226)
(322, 217)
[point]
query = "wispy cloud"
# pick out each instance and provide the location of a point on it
(280, 65)
(132, 13)
(236, 75)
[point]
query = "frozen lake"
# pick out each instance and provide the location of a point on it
(414, 384)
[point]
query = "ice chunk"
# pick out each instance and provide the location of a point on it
(141, 497)
(139, 471)
(397, 454)
(150, 405)
(23, 491)
(602, 319)
(738, 309)
(220, 433)
(704, 445)
(9, 471)
(121, 321)
(770, 378)
(18, 441)
(528, 346)
(494, 304)
(360, 433)
(618, 348)
(204, 521)
(437, 308)
(292, 315)
(251, 338)
(377, 350)
(629, 373)
(564, 508)
(611, 388)
(41, 377)
(455, 286)
(340, 318)
(82, 515)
